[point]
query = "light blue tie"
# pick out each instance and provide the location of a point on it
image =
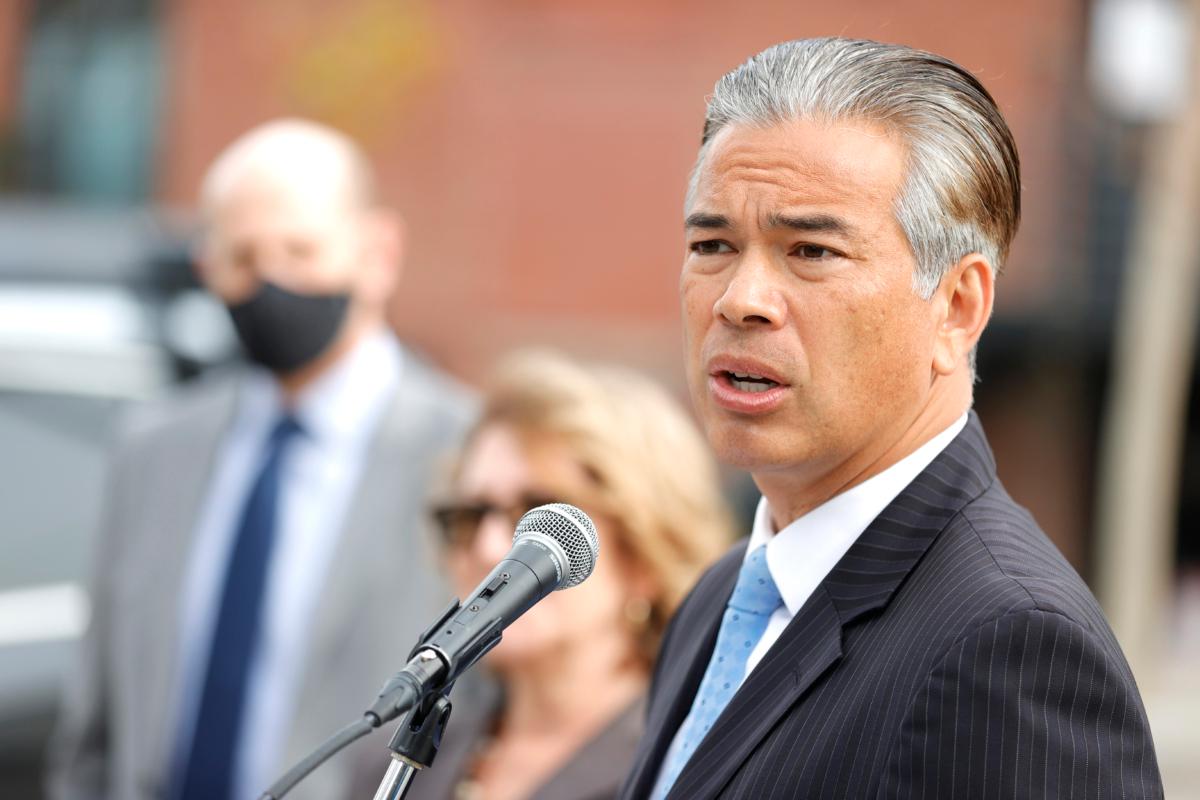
(754, 600)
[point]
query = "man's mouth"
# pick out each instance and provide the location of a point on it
(746, 386)
(749, 382)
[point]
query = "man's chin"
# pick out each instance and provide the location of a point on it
(755, 450)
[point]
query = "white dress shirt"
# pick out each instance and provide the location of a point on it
(338, 413)
(803, 553)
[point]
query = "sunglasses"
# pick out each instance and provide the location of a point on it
(458, 523)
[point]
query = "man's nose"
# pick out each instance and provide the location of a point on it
(752, 297)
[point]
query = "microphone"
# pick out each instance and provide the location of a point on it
(554, 547)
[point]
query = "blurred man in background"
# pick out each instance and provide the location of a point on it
(259, 571)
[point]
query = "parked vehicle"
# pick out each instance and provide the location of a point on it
(97, 310)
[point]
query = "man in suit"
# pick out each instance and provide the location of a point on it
(896, 626)
(261, 570)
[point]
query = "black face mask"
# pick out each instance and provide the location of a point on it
(283, 331)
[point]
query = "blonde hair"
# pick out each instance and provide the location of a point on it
(653, 474)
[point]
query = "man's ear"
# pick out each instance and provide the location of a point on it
(199, 257)
(964, 305)
(385, 237)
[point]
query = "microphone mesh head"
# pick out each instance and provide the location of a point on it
(574, 532)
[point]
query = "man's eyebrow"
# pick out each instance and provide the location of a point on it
(703, 220)
(811, 223)
(808, 223)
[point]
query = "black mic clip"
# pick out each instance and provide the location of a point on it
(454, 624)
(419, 733)
(433, 666)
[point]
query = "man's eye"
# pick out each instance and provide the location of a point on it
(242, 256)
(299, 250)
(710, 247)
(813, 252)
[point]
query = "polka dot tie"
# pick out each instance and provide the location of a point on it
(754, 600)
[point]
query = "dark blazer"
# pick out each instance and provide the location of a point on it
(952, 653)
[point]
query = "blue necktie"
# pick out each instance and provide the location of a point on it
(754, 600)
(210, 767)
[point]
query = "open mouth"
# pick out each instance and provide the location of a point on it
(749, 382)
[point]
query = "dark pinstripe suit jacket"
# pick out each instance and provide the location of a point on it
(952, 653)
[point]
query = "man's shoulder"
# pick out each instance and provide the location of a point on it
(1012, 565)
(424, 379)
(204, 400)
(443, 405)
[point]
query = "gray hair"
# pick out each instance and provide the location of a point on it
(962, 189)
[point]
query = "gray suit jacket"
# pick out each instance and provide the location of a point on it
(115, 735)
(952, 653)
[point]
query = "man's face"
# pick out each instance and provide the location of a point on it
(305, 239)
(798, 275)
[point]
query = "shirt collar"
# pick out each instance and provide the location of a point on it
(341, 405)
(804, 552)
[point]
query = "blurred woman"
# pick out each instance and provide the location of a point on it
(573, 670)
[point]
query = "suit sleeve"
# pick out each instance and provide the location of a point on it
(78, 758)
(78, 754)
(1030, 705)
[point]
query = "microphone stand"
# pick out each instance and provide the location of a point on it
(422, 720)
(414, 745)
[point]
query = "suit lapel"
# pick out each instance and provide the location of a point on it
(811, 643)
(862, 582)
(674, 688)
(175, 477)
(378, 547)
(366, 545)
(363, 546)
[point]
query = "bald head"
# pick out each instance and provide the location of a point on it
(294, 156)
